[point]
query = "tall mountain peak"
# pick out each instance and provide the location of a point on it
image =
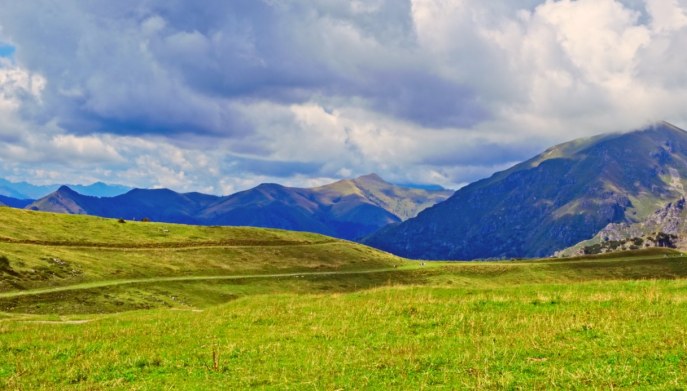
(372, 177)
(65, 190)
(667, 125)
(62, 200)
(552, 201)
(658, 128)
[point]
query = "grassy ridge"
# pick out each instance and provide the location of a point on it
(41, 250)
(45, 228)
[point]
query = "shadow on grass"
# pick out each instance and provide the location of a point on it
(205, 293)
(198, 294)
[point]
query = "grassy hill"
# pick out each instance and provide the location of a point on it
(47, 250)
(162, 306)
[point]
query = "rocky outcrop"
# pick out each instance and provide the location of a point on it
(667, 227)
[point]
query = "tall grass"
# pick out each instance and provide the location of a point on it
(620, 334)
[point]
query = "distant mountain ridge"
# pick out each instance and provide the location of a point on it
(348, 209)
(14, 202)
(556, 199)
(24, 190)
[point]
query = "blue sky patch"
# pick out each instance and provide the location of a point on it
(7, 50)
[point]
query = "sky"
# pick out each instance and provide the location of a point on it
(218, 96)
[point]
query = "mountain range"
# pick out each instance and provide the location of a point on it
(348, 209)
(556, 199)
(24, 190)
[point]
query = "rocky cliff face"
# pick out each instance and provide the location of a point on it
(667, 227)
(669, 219)
(552, 201)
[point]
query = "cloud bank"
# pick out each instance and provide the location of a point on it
(218, 96)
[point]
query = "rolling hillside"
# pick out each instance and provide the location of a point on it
(552, 201)
(47, 250)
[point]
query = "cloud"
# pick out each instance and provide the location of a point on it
(217, 95)
(89, 148)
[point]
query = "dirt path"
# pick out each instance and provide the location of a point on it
(412, 266)
(101, 284)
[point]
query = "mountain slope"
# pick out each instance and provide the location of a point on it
(156, 204)
(64, 200)
(403, 202)
(348, 209)
(14, 202)
(552, 201)
(268, 205)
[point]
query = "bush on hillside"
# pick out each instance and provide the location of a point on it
(4, 262)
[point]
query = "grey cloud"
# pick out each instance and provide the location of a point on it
(175, 67)
(424, 99)
(485, 153)
(271, 168)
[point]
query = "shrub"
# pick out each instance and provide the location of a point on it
(592, 250)
(4, 262)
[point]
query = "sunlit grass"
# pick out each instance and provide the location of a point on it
(608, 322)
(586, 335)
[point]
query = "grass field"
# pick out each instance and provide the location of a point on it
(223, 308)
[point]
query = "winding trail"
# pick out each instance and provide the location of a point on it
(413, 266)
(101, 284)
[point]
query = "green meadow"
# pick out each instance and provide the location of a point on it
(95, 304)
